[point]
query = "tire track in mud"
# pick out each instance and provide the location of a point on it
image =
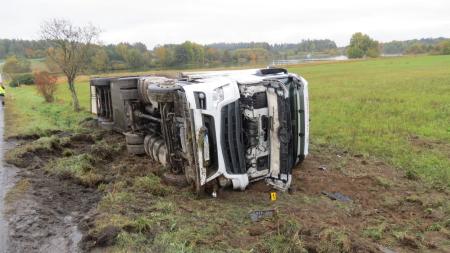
(46, 217)
(45, 214)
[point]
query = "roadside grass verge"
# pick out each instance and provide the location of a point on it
(397, 109)
(19, 156)
(78, 167)
(27, 113)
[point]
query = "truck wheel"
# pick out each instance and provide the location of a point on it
(163, 92)
(175, 180)
(137, 149)
(134, 139)
(146, 141)
(130, 94)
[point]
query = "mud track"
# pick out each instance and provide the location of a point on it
(44, 211)
(46, 217)
(53, 213)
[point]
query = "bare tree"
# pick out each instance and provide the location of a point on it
(69, 45)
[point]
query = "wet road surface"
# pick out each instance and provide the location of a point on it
(7, 179)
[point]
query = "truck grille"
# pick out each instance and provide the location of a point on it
(232, 140)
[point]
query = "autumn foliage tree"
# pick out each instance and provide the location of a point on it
(45, 85)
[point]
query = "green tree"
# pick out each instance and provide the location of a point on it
(443, 47)
(361, 45)
(355, 52)
(184, 54)
(135, 59)
(14, 65)
(162, 56)
(416, 48)
(132, 56)
(100, 60)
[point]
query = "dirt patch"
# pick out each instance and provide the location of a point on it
(118, 201)
(44, 211)
(424, 143)
(45, 217)
(386, 211)
(56, 196)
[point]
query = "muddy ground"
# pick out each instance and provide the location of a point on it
(44, 210)
(386, 210)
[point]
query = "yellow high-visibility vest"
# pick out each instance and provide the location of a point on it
(2, 91)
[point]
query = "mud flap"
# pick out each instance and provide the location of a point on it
(280, 175)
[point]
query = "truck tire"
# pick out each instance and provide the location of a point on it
(163, 92)
(146, 140)
(175, 180)
(137, 149)
(129, 94)
(134, 139)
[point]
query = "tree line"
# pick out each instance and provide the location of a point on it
(424, 45)
(72, 50)
(361, 45)
(135, 56)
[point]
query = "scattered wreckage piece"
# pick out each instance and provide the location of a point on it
(337, 196)
(222, 128)
(261, 214)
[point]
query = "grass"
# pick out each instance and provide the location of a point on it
(397, 109)
(28, 113)
(42, 145)
(79, 167)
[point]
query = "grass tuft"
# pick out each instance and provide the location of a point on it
(79, 167)
(151, 184)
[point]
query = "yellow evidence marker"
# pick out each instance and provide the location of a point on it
(273, 196)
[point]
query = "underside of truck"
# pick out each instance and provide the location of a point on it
(219, 129)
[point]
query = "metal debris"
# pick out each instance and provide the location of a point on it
(261, 214)
(337, 196)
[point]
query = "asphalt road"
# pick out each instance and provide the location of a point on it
(6, 181)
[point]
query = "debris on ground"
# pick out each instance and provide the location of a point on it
(337, 196)
(261, 214)
(322, 168)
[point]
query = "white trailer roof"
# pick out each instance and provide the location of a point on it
(240, 76)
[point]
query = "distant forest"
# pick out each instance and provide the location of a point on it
(404, 47)
(136, 56)
(124, 56)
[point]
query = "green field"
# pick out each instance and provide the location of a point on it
(27, 112)
(396, 109)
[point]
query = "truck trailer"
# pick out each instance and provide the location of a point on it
(220, 128)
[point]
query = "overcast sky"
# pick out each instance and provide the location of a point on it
(206, 21)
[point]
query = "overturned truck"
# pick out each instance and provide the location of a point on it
(225, 128)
